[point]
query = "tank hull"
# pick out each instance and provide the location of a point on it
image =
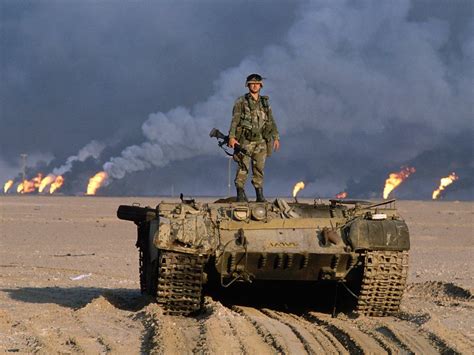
(184, 245)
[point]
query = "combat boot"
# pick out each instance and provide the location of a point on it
(259, 192)
(241, 195)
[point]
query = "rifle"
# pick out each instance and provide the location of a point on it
(223, 140)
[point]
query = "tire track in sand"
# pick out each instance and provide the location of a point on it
(354, 340)
(165, 334)
(388, 345)
(291, 334)
(403, 335)
(447, 340)
(327, 340)
(151, 341)
(314, 344)
(217, 330)
(228, 332)
(256, 319)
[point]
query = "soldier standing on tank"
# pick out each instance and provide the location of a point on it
(255, 130)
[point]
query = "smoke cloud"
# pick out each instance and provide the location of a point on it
(358, 89)
(92, 149)
(352, 80)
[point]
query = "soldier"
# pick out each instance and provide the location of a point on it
(254, 129)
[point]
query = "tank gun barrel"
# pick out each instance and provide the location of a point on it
(349, 202)
(359, 203)
(381, 203)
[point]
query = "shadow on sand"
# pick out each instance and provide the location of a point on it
(78, 297)
(284, 296)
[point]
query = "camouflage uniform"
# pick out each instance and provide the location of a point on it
(254, 128)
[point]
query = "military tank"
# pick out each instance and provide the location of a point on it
(183, 245)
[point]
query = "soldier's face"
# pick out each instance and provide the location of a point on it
(254, 88)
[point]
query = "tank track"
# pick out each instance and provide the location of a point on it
(142, 255)
(180, 279)
(141, 269)
(383, 282)
(146, 269)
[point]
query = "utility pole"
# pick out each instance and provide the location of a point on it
(23, 165)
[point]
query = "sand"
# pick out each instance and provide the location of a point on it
(69, 284)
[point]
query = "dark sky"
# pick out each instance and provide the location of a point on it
(359, 89)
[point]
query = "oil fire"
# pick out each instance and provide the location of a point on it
(396, 179)
(48, 180)
(7, 186)
(54, 182)
(36, 181)
(19, 188)
(444, 182)
(29, 186)
(342, 194)
(58, 182)
(95, 182)
(298, 186)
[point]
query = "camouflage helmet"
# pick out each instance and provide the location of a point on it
(254, 79)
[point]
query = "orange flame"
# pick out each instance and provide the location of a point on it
(46, 181)
(36, 181)
(28, 186)
(25, 187)
(58, 182)
(95, 182)
(396, 179)
(298, 186)
(7, 186)
(342, 194)
(444, 182)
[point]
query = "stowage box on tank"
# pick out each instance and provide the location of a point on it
(181, 243)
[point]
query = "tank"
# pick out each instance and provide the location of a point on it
(360, 245)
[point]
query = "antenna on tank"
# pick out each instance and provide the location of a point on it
(23, 165)
(229, 168)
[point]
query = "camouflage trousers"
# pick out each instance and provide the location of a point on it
(257, 153)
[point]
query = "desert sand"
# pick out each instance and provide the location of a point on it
(69, 284)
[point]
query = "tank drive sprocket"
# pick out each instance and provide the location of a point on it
(180, 280)
(383, 282)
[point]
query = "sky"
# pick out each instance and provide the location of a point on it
(359, 89)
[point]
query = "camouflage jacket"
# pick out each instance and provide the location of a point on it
(252, 120)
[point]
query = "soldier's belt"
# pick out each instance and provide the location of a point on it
(254, 137)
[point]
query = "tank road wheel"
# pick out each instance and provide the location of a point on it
(180, 279)
(383, 282)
